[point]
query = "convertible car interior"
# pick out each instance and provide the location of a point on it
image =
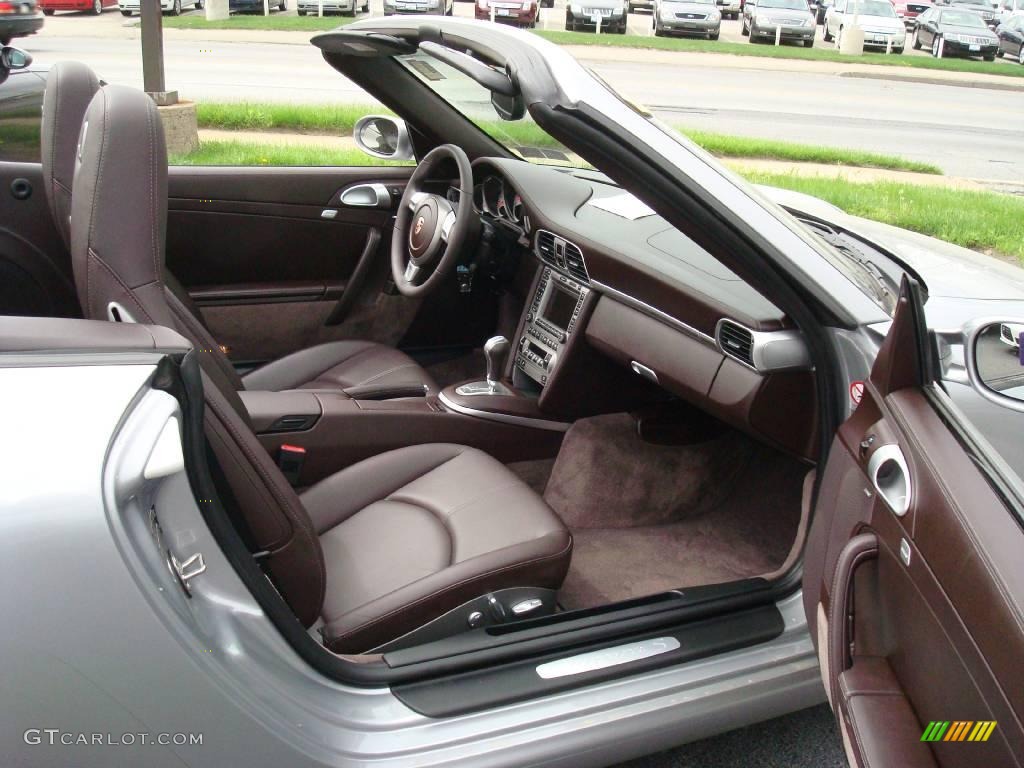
(545, 403)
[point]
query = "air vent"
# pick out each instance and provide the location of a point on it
(574, 264)
(564, 256)
(546, 247)
(736, 341)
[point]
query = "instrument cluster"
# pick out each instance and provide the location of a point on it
(495, 197)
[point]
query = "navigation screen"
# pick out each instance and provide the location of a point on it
(559, 307)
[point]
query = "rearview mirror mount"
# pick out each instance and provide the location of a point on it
(508, 107)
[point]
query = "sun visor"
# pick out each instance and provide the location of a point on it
(370, 45)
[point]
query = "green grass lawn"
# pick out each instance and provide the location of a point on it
(338, 120)
(983, 221)
(256, 21)
(998, 67)
(248, 153)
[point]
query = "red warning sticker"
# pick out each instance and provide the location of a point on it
(856, 391)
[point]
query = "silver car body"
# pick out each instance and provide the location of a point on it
(110, 649)
(688, 17)
(879, 31)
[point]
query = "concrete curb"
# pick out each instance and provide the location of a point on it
(986, 84)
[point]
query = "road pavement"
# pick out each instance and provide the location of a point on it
(968, 132)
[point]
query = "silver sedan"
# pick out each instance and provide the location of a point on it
(687, 17)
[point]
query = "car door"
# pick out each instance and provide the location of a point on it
(925, 28)
(913, 585)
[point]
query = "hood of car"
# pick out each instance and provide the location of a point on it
(948, 271)
(880, 22)
(960, 29)
(684, 7)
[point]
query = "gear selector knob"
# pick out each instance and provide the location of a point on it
(496, 351)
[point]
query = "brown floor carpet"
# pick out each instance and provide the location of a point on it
(534, 473)
(648, 518)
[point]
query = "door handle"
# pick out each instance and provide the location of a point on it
(374, 195)
(888, 471)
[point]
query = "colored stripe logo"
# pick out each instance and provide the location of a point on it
(958, 730)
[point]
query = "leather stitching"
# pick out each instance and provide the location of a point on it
(95, 259)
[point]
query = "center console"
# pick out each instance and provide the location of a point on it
(550, 321)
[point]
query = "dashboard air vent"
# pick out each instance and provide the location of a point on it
(546, 247)
(574, 264)
(736, 341)
(564, 256)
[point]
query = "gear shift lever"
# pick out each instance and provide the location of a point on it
(496, 351)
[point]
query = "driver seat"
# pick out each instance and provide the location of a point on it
(369, 553)
(358, 368)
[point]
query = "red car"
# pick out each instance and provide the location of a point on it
(521, 14)
(49, 7)
(908, 10)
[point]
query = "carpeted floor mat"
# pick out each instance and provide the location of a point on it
(648, 518)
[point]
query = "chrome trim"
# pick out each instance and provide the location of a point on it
(896, 498)
(505, 418)
(118, 314)
(971, 333)
(789, 352)
(607, 657)
(652, 312)
(642, 370)
(374, 195)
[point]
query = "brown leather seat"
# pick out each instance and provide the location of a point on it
(373, 551)
(358, 367)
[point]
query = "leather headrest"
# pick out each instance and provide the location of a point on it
(119, 207)
(70, 87)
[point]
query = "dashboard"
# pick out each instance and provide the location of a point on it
(616, 279)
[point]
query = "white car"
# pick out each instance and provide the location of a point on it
(1010, 333)
(882, 27)
(348, 7)
(173, 7)
(1007, 9)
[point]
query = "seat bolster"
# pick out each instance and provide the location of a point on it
(339, 365)
(540, 562)
(338, 497)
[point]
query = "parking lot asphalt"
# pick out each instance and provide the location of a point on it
(805, 739)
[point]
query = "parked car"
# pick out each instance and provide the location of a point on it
(173, 7)
(585, 14)
(954, 32)
(1009, 8)
(687, 17)
(983, 8)
(646, 4)
(18, 18)
(820, 9)
(515, 12)
(730, 9)
(49, 7)
(412, 7)
(909, 10)
(252, 6)
(792, 17)
(877, 18)
(1011, 38)
(691, 346)
(346, 7)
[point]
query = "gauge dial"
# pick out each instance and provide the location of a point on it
(516, 213)
(492, 193)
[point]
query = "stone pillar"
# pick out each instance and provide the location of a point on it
(180, 127)
(217, 10)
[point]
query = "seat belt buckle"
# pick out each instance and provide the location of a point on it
(290, 459)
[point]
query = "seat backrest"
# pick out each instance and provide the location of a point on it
(70, 87)
(118, 225)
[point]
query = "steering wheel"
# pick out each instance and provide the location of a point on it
(430, 231)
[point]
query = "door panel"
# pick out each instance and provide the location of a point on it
(270, 272)
(930, 622)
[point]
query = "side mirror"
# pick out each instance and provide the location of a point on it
(384, 137)
(994, 353)
(14, 58)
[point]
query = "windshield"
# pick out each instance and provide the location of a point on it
(791, 5)
(873, 8)
(521, 137)
(962, 19)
